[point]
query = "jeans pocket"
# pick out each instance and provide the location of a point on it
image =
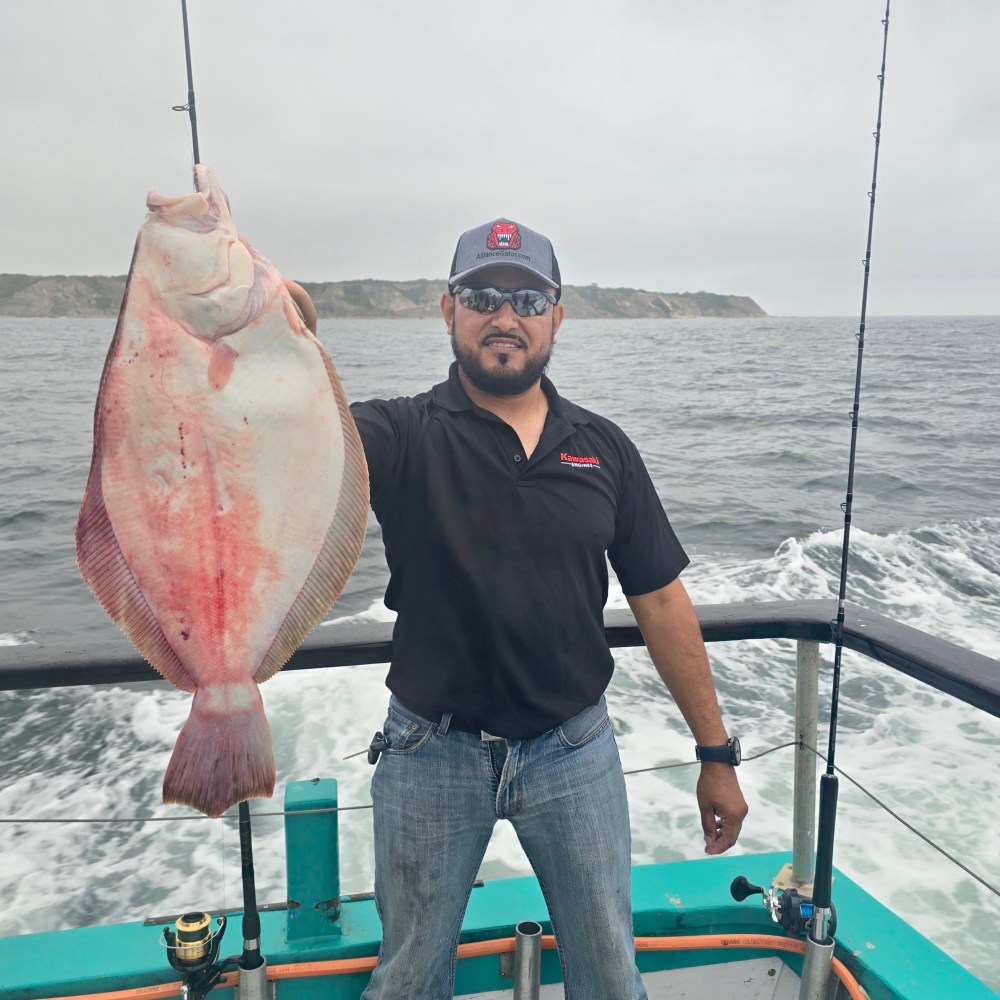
(405, 733)
(585, 726)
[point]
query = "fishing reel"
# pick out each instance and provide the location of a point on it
(787, 906)
(193, 950)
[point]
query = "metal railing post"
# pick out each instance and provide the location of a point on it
(806, 727)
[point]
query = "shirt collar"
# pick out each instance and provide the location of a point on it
(451, 395)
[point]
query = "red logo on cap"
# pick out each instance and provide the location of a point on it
(504, 235)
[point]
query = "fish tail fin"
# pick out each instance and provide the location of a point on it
(224, 753)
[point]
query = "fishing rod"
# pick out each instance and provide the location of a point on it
(193, 948)
(251, 960)
(820, 944)
(203, 971)
(189, 107)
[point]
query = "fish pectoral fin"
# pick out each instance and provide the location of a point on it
(220, 364)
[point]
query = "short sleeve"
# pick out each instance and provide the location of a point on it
(378, 425)
(645, 553)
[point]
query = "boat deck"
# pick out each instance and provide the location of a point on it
(754, 979)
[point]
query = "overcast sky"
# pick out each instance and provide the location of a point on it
(670, 145)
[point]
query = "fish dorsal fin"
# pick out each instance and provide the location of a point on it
(341, 549)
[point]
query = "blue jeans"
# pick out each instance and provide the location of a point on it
(437, 795)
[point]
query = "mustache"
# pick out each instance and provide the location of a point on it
(505, 335)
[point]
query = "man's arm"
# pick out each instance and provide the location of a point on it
(672, 634)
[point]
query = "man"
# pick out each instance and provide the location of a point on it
(499, 503)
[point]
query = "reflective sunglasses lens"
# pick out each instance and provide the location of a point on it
(483, 300)
(529, 302)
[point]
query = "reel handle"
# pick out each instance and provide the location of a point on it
(740, 889)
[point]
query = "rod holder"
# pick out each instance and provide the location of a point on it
(816, 970)
(527, 960)
(252, 984)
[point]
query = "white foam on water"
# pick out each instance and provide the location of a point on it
(15, 639)
(82, 873)
(156, 719)
(375, 612)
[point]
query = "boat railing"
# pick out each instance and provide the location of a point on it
(956, 671)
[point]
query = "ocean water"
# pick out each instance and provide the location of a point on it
(745, 426)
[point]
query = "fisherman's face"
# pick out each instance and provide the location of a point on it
(501, 353)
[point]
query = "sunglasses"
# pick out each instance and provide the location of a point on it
(487, 299)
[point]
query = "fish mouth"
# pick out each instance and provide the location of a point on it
(202, 211)
(187, 211)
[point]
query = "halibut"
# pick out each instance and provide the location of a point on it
(228, 494)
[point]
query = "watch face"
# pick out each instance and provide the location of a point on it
(736, 754)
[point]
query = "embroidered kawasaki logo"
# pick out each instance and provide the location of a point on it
(580, 461)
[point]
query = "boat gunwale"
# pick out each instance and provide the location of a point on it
(954, 670)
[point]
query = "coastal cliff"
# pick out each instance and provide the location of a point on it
(97, 295)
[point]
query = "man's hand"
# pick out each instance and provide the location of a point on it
(722, 806)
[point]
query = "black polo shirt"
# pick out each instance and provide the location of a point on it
(497, 562)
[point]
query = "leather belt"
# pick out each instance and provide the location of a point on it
(461, 726)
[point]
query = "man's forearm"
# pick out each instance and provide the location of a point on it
(670, 627)
(672, 635)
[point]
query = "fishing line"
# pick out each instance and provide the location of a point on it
(828, 781)
(189, 107)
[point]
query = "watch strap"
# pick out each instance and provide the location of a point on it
(723, 753)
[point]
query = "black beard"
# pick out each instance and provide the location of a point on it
(500, 381)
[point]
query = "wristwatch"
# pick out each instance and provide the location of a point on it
(724, 753)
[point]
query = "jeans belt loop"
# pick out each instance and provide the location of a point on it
(444, 723)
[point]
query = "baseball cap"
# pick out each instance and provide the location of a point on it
(506, 243)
